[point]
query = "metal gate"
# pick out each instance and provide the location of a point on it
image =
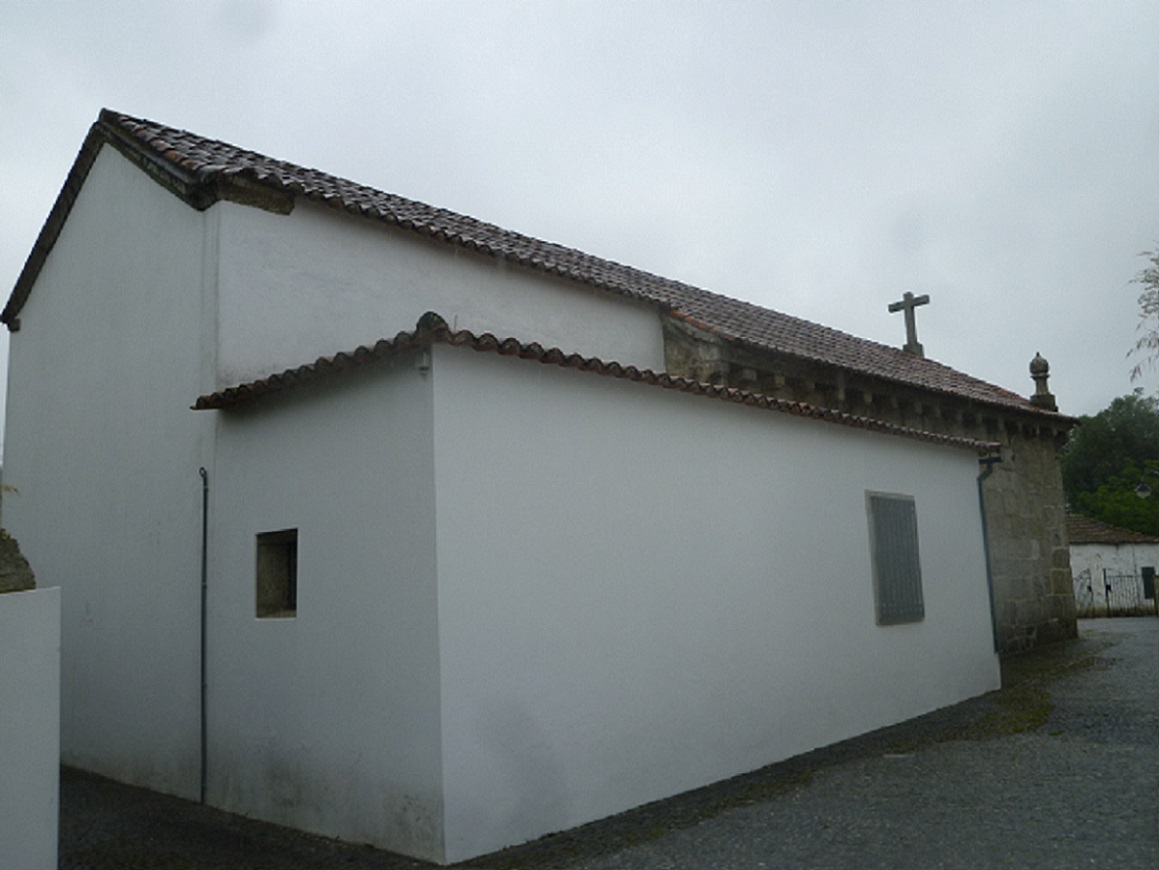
(1116, 595)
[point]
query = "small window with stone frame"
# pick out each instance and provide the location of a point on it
(897, 571)
(277, 574)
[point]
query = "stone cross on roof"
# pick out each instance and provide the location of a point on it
(908, 303)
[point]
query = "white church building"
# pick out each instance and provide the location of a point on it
(381, 522)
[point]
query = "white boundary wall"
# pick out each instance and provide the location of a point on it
(29, 728)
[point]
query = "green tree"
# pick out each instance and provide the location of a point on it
(1107, 457)
(1117, 501)
(1148, 343)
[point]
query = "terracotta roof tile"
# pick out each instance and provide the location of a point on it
(432, 329)
(198, 167)
(1084, 530)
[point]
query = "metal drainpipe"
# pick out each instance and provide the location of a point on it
(204, 586)
(989, 462)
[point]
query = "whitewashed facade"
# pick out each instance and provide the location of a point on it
(528, 596)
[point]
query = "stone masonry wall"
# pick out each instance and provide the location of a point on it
(15, 573)
(1029, 555)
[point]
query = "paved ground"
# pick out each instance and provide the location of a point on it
(1058, 770)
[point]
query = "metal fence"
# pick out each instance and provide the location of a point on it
(1114, 595)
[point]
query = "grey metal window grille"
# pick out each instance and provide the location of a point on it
(897, 572)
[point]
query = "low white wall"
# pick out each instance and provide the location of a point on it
(29, 728)
(642, 592)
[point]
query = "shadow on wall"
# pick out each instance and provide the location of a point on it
(527, 782)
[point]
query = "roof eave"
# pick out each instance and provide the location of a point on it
(197, 190)
(432, 328)
(1056, 417)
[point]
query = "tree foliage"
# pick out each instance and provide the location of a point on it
(1108, 456)
(1148, 343)
(1117, 501)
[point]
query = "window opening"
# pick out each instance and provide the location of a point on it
(277, 574)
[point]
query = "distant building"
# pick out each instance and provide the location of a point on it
(1114, 569)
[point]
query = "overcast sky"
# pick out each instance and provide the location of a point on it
(819, 158)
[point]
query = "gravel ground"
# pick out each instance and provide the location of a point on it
(1058, 770)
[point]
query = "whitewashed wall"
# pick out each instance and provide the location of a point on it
(1116, 558)
(531, 597)
(528, 597)
(330, 721)
(103, 451)
(642, 592)
(318, 281)
(29, 728)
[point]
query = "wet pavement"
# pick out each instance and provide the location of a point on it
(1058, 770)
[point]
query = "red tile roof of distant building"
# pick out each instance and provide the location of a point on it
(1084, 530)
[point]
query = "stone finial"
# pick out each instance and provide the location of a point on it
(1040, 371)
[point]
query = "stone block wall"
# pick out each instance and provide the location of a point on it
(1029, 556)
(15, 573)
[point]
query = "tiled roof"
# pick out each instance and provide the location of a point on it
(1084, 530)
(199, 169)
(432, 329)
